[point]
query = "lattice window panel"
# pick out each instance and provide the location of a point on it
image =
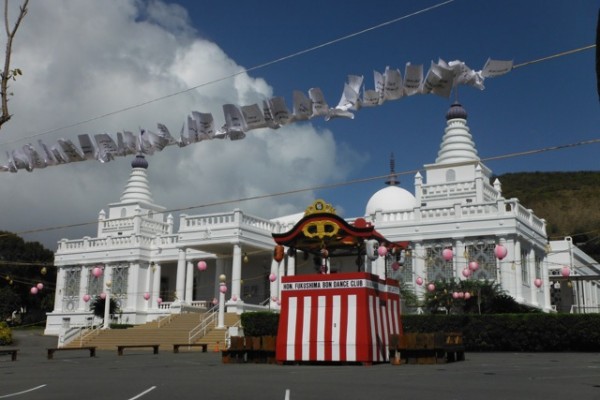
(482, 251)
(404, 274)
(120, 275)
(95, 285)
(71, 289)
(525, 267)
(436, 267)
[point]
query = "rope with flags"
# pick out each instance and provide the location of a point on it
(273, 113)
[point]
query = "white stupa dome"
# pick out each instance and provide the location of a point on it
(391, 198)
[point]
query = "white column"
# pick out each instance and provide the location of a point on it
(280, 275)
(291, 264)
(60, 285)
(506, 267)
(189, 283)
(220, 269)
(236, 272)
(273, 286)
(133, 286)
(83, 281)
(155, 285)
(418, 259)
(532, 276)
(516, 259)
(459, 262)
(107, 291)
(180, 282)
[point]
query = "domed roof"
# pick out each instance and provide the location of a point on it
(139, 162)
(391, 198)
(456, 110)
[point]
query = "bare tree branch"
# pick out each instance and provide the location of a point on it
(7, 73)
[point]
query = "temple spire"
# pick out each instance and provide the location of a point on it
(392, 180)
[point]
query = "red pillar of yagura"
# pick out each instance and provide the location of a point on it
(344, 317)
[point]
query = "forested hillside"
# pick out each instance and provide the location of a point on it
(569, 201)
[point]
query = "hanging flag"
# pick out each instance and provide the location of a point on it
(164, 133)
(463, 75)
(446, 82)
(280, 112)
(379, 81)
(319, 105)
(302, 109)
(193, 135)
(50, 160)
(86, 146)
(72, 152)
(35, 159)
(413, 79)
(130, 142)
(59, 155)
(268, 115)
(392, 84)
(493, 68)
(204, 125)
(107, 149)
(253, 117)
(234, 122)
(20, 160)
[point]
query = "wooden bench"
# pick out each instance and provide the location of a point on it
(122, 347)
(51, 351)
(12, 352)
(203, 345)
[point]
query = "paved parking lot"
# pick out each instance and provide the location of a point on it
(141, 375)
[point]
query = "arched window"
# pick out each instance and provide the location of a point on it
(450, 175)
(123, 212)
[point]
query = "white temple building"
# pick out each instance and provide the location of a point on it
(149, 261)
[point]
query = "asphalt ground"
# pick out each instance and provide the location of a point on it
(139, 374)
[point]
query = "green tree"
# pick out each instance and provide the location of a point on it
(98, 304)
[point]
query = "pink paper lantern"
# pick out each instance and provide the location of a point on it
(274, 298)
(223, 289)
(500, 251)
(447, 254)
(395, 265)
(33, 290)
(103, 296)
(272, 277)
(234, 298)
(202, 265)
(473, 266)
(97, 272)
(86, 297)
(159, 301)
(146, 296)
(419, 281)
(455, 295)
(537, 282)
(431, 287)
(278, 302)
(382, 251)
(461, 295)
(565, 271)
(466, 272)
(40, 286)
(467, 295)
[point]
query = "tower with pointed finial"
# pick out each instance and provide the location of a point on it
(458, 176)
(136, 203)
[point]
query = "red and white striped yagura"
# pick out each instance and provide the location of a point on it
(345, 317)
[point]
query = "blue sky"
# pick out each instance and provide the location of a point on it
(130, 52)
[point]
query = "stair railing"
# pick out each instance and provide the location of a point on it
(92, 332)
(164, 320)
(202, 327)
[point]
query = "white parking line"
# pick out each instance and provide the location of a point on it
(143, 393)
(23, 392)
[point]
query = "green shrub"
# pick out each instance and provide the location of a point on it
(515, 332)
(5, 334)
(261, 323)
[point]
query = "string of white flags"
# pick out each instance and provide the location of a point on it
(272, 113)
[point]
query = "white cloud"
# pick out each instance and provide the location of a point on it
(84, 58)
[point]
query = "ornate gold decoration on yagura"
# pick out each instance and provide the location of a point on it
(318, 207)
(320, 229)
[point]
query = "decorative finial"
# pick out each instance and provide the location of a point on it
(392, 180)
